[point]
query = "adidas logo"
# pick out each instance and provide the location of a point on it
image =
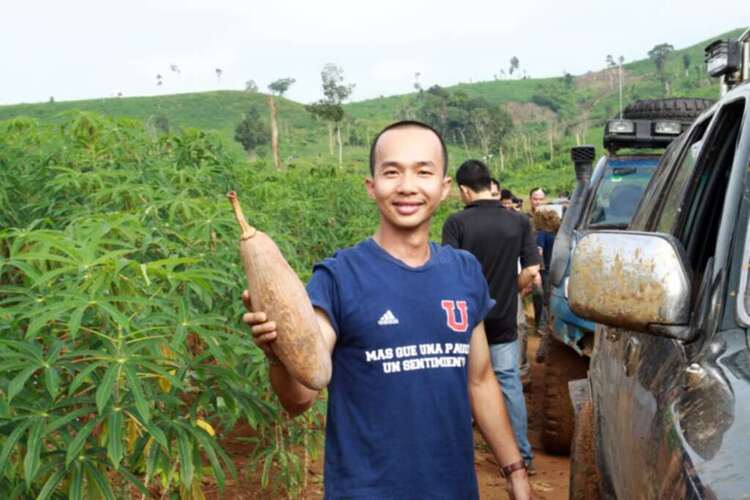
(388, 319)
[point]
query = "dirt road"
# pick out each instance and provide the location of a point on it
(551, 480)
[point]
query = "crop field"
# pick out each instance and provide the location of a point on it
(124, 364)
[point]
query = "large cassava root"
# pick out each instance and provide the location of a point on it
(276, 290)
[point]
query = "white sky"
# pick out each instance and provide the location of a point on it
(78, 49)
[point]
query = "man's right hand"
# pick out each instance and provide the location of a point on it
(264, 331)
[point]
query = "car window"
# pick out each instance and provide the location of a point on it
(670, 208)
(700, 219)
(619, 191)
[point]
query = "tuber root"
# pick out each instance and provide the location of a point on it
(276, 290)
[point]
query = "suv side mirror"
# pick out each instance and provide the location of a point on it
(631, 280)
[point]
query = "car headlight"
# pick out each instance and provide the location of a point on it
(620, 127)
(667, 128)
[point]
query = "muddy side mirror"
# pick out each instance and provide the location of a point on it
(636, 281)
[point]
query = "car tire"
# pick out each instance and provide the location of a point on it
(584, 473)
(675, 108)
(561, 365)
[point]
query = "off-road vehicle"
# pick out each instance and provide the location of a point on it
(669, 414)
(605, 199)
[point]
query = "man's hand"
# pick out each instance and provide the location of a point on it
(518, 485)
(264, 331)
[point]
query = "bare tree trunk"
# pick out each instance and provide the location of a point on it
(341, 147)
(502, 158)
(274, 134)
(330, 138)
(463, 139)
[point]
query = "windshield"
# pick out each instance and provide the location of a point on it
(620, 190)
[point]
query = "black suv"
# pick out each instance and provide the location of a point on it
(669, 414)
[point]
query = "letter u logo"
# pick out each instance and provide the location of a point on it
(449, 306)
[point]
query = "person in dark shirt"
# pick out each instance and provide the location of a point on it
(498, 238)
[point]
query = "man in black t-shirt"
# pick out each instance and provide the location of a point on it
(498, 238)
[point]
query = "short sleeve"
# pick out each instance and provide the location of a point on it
(529, 251)
(485, 303)
(452, 233)
(324, 294)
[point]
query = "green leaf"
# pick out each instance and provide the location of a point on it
(51, 484)
(135, 388)
(52, 381)
(104, 391)
(19, 380)
(75, 447)
(157, 434)
(186, 458)
(75, 492)
(11, 442)
(82, 375)
(74, 324)
(114, 437)
(102, 484)
(68, 417)
(134, 481)
(33, 450)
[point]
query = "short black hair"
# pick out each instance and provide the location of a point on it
(506, 194)
(405, 124)
(538, 188)
(474, 175)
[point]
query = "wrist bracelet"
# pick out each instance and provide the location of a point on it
(507, 470)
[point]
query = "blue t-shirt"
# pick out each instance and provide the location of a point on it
(399, 417)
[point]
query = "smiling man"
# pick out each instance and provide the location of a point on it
(402, 319)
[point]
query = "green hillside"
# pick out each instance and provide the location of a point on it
(549, 114)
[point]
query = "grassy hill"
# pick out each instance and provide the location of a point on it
(566, 111)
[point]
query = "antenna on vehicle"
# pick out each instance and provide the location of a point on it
(621, 60)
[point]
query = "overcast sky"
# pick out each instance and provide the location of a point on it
(79, 49)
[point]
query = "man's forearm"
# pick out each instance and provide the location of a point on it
(294, 397)
(527, 276)
(492, 419)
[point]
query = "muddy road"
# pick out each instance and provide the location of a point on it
(551, 480)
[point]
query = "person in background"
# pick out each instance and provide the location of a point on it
(547, 222)
(506, 199)
(498, 238)
(518, 203)
(495, 188)
(536, 200)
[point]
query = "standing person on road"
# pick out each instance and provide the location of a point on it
(402, 319)
(536, 200)
(498, 237)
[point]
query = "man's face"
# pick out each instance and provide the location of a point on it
(494, 191)
(408, 182)
(508, 203)
(536, 199)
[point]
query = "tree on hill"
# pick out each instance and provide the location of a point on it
(330, 109)
(686, 63)
(280, 86)
(251, 86)
(277, 87)
(464, 120)
(514, 64)
(158, 80)
(218, 72)
(251, 132)
(659, 55)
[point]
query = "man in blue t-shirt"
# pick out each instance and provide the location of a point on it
(402, 320)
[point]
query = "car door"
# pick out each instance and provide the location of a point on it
(657, 371)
